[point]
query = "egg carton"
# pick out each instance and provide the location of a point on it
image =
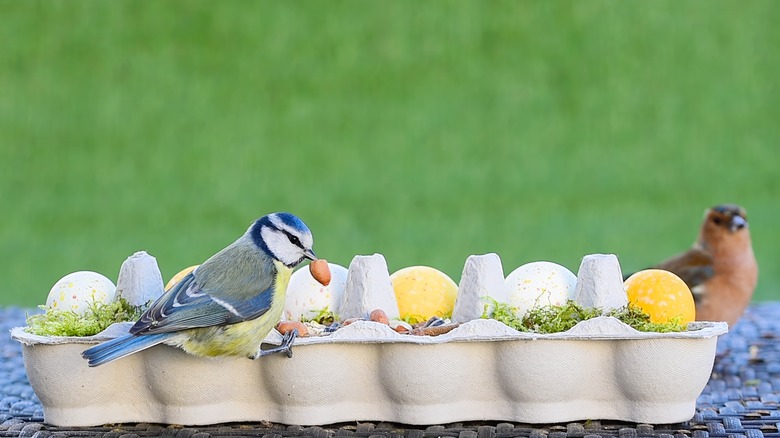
(481, 370)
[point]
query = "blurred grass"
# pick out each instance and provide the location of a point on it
(425, 131)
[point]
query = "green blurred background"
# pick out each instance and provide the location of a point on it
(426, 131)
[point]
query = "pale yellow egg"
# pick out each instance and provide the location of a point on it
(662, 295)
(181, 274)
(423, 292)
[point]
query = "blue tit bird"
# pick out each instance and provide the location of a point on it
(229, 303)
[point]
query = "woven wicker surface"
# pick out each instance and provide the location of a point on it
(741, 399)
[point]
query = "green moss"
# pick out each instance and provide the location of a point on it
(418, 319)
(413, 319)
(638, 319)
(324, 316)
(503, 312)
(67, 323)
(555, 319)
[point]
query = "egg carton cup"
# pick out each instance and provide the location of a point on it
(481, 370)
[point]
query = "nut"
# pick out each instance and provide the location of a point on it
(379, 315)
(433, 331)
(349, 321)
(285, 327)
(320, 271)
(401, 329)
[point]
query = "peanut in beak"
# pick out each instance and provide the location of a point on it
(320, 270)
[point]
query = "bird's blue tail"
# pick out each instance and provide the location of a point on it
(121, 347)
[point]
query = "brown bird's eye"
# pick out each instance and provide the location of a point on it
(716, 220)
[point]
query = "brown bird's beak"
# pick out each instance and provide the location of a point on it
(737, 223)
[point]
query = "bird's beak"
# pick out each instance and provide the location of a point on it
(309, 254)
(737, 223)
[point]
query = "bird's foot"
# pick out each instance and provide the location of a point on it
(285, 347)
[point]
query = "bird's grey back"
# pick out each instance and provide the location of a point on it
(242, 265)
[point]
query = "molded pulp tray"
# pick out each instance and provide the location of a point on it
(482, 370)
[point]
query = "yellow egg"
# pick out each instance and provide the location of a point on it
(662, 295)
(177, 278)
(423, 292)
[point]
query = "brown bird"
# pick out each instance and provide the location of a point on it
(720, 268)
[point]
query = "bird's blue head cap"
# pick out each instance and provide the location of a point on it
(284, 237)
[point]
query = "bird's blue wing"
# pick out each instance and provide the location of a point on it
(190, 305)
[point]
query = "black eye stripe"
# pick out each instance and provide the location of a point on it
(293, 239)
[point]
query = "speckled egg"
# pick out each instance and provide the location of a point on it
(662, 295)
(306, 297)
(423, 292)
(539, 284)
(77, 290)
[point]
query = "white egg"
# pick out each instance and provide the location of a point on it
(77, 290)
(539, 284)
(306, 297)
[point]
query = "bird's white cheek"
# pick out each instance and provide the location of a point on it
(271, 239)
(280, 246)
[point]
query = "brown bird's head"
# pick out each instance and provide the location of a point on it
(730, 217)
(724, 226)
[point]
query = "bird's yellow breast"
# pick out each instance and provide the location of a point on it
(243, 338)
